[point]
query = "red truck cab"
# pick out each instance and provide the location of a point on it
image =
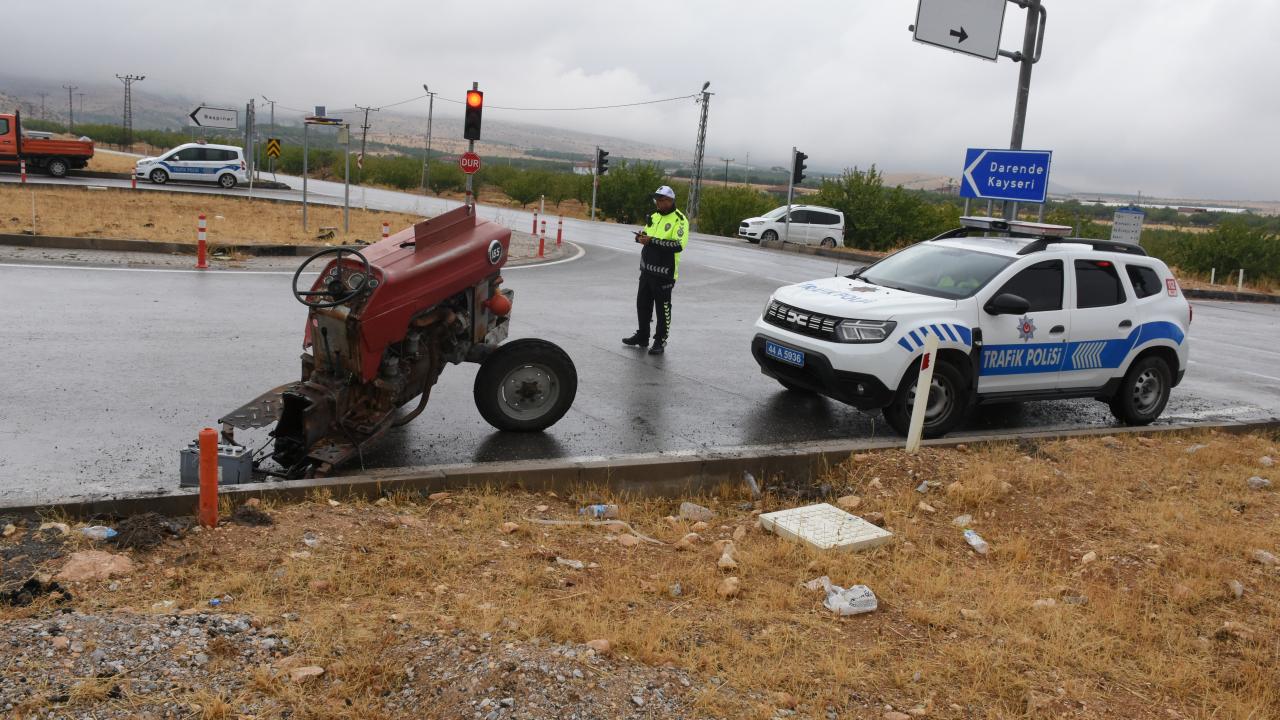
(55, 157)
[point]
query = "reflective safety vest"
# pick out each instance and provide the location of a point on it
(668, 235)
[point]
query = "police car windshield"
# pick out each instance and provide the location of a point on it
(936, 270)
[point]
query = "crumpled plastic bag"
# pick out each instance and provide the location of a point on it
(856, 600)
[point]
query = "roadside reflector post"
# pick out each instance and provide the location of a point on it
(386, 230)
(133, 180)
(542, 240)
(23, 163)
(209, 477)
(1213, 275)
(1240, 281)
(559, 230)
(535, 222)
(923, 383)
(202, 250)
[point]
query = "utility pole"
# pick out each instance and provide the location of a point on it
(71, 108)
(748, 163)
(364, 132)
(426, 155)
(791, 184)
(128, 81)
(81, 96)
(726, 162)
(42, 97)
(695, 187)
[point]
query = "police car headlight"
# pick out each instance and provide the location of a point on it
(864, 331)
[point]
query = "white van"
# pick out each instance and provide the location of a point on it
(223, 164)
(810, 225)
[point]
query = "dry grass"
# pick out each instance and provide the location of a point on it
(1169, 528)
(171, 217)
(111, 162)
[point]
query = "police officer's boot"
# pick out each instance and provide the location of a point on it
(659, 346)
(637, 340)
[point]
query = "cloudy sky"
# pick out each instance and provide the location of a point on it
(1166, 97)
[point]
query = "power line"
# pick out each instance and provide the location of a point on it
(570, 109)
(128, 81)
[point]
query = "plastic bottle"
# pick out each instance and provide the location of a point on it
(976, 542)
(600, 512)
(98, 532)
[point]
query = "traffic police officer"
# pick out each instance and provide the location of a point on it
(663, 239)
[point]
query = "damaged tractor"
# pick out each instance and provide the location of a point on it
(383, 322)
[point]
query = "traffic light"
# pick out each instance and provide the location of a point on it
(602, 161)
(797, 169)
(471, 121)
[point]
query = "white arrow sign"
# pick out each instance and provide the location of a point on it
(212, 117)
(968, 26)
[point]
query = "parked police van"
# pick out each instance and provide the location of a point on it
(1020, 311)
(201, 162)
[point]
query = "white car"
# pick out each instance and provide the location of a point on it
(223, 164)
(810, 225)
(1029, 314)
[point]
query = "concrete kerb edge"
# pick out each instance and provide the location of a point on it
(853, 256)
(656, 475)
(123, 245)
(1231, 296)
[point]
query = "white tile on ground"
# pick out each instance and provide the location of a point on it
(825, 527)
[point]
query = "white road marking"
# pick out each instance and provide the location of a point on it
(1243, 372)
(725, 269)
(1243, 347)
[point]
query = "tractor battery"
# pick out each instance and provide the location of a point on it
(235, 464)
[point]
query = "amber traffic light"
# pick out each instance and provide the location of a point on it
(471, 121)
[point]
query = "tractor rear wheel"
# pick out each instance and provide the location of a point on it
(525, 386)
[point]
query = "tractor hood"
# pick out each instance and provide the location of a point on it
(842, 297)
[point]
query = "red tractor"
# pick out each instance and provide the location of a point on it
(383, 323)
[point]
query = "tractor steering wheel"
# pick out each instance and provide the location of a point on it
(332, 284)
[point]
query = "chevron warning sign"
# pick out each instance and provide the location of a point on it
(273, 147)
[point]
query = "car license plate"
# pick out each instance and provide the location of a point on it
(783, 353)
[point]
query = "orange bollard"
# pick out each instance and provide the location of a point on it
(202, 260)
(23, 163)
(208, 478)
(535, 223)
(542, 242)
(559, 231)
(386, 230)
(133, 181)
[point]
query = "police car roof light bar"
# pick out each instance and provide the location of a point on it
(1018, 227)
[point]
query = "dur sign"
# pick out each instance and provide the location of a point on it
(1018, 175)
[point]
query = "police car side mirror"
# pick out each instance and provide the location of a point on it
(1007, 304)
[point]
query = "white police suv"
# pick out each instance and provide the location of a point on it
(1020, 312)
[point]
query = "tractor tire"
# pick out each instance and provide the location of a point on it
(1143, 393)
(525, 386)
(159, 177)
(949, 402)
(57, 167)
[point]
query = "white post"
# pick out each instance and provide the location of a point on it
(1213, 275)
(1240, 281)
(923, 383)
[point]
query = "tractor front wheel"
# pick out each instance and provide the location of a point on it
(525, 386)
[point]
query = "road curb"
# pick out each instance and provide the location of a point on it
(153, 246)
(1231, 295)
(854, 255)
(663, 475)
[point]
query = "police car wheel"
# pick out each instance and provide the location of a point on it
(227, 180)
(948, 406)
(1143, 393)
(525, 386)
(159, 176)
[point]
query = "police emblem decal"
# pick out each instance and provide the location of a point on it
(668, 226)
(495, 252)
(1026, 328)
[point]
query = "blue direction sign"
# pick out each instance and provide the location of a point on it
(1019, 175)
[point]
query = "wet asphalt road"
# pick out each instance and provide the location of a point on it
(108, 372)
